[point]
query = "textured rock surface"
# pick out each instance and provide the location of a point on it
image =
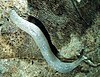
(20, 56)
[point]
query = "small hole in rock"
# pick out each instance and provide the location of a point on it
(1, 24)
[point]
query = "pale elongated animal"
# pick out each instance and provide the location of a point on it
(43, 45)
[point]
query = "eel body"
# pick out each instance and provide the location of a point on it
(43, 45)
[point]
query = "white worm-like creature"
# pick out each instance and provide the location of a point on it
(43, 45)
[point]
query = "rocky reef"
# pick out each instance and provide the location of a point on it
(72, 27)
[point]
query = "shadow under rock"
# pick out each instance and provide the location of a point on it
(45, 32)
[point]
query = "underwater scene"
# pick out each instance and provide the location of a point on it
(49, 38)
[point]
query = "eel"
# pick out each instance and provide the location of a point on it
(43, 44)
